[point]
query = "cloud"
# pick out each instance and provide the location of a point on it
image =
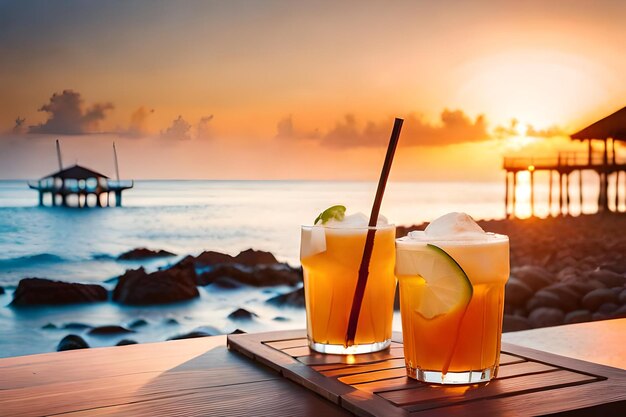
(453, 127)
(19, 127)
(67, 116)
(503, 132)
(550, 132)
(285, 130)
(204, 130)
(180, 129)
(138, 120)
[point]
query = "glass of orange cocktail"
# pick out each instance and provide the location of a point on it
(452, 280)
(331, 254)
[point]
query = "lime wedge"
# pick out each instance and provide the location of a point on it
(334, 212)
(435, 279)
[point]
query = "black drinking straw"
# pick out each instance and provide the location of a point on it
(359, 292)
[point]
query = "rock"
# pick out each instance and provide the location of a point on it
(49, 326)
(533, 276)
(237, 331)
(213, 258)
(598, 316)
(112, 280)
(577, 316)
(546, 316)
(143, 253)
(620, 313)
(138, 323)
(615, 266)
(38, 291)
(622, 297)
(166, 286)
(581, 288)
(280, 318)
(171, 322)
(191, 335)
(516, 292)
(126, 342)
(242, 314)
(76, 326)
(205, 259)
(568, 274)
(109, 330)
(544, 299)
(608, 308)
(509, 309)
(71, 342)
(226, 283)
(596, 298)
(1, 290)
(251, 257)
(292, 299)
(514, 323)
(568, 297)
(259, 276)
(608, 278)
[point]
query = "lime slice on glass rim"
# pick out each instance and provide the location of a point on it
(335, 212)
(436, 280)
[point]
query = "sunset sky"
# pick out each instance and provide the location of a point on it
(302, 90)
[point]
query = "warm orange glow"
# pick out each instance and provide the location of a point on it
(554, 71)
(522, 208)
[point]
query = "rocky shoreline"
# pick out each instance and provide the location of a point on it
(563, 270)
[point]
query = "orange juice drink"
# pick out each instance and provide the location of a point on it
(331, 256)
(452, 300)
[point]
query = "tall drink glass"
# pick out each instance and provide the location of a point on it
(331, 257)
(461, 345)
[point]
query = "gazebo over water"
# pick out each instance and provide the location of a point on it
(78, 186)
(609, 131)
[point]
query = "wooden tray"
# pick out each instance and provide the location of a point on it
(529, 383)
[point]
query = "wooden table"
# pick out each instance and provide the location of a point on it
(201, 377)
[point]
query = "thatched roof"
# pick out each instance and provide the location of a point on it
(613, 126)
(76, 172)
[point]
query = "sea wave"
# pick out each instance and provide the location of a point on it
(104, 257)
(29, 260)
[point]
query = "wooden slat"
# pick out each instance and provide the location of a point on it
(216, 367)
(298, 351)
(523, 368)
(506, 359)
(104, 362)
(403, 382)
(433, 396)
(290, 343)
(265, 398)
(253, 347)
(364, 404)
(320, 359)
(357, 369)
(373, 376)
(388, 372)
(601, 398)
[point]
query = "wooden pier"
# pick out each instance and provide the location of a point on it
(604, 163)
(79, 183)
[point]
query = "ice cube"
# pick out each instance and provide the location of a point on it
(454, 225)
(355, 220)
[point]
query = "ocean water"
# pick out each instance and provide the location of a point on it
(186, 217)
